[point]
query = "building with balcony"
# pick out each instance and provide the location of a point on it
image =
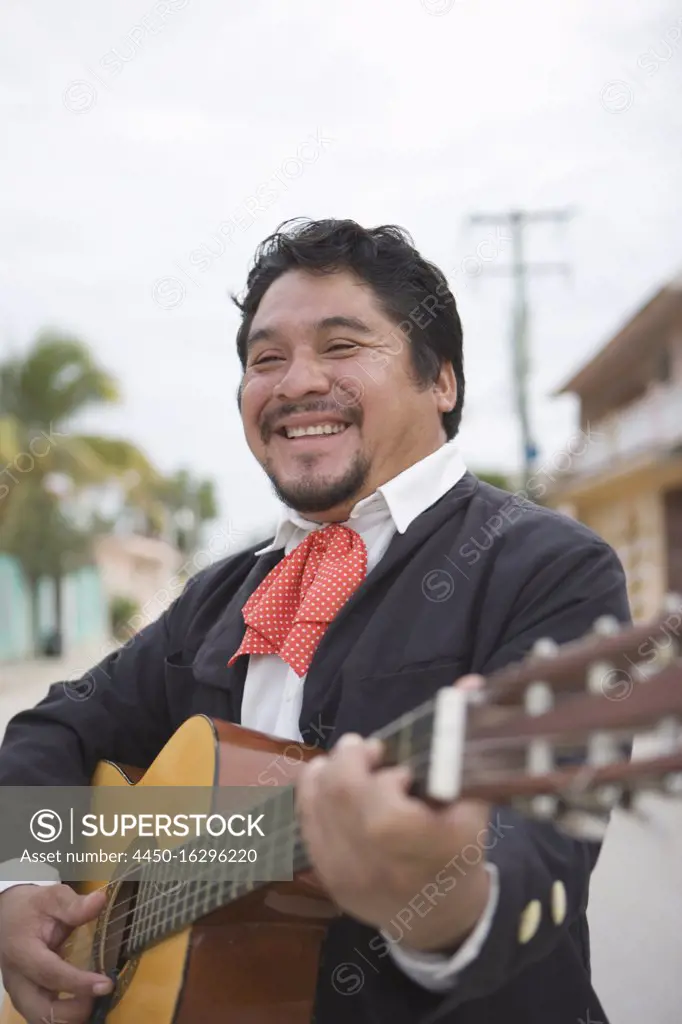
(626, 483)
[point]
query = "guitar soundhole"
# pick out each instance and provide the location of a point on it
(113, 934)
(117, 927)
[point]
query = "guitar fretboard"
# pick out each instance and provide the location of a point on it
(166, 905)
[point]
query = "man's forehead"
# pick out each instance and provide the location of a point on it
(305, 299)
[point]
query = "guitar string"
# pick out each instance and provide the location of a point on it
(289, 833)
(213, 880)
(415, 761)
(419, 759)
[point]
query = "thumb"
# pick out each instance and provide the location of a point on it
(74, 910)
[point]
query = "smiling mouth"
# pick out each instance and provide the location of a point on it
(321, 430)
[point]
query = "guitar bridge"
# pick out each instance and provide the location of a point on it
(104, 1003)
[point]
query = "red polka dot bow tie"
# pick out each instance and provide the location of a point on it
(293, 606)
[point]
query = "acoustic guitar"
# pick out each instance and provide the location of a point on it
(549, 736)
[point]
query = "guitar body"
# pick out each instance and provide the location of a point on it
(253, 962)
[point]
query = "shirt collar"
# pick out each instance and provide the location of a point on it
(403, 498)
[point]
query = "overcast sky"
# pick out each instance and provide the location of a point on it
(136, 137)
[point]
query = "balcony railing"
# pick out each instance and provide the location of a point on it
(652, 424)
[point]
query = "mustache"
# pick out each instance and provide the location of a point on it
(273, 420)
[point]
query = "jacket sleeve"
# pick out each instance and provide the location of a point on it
(117, 710)
(543, 873)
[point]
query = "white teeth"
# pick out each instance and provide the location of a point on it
(325, 428)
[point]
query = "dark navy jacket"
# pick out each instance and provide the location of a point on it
(469, 587)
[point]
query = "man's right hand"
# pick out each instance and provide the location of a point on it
(34, 922)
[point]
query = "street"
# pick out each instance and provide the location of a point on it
(636, 900)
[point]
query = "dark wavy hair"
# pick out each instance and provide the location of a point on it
(409, 288)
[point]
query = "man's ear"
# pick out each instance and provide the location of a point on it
(445, 388)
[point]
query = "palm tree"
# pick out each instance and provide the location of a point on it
(496, 479)
(41, 394)
(188, 502)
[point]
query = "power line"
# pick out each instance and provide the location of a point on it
(519, 269)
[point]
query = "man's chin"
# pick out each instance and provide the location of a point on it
(306, 499)
(308, 495)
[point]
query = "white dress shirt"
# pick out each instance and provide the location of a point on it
(273, 692)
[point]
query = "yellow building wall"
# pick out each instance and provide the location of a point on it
(634, 526)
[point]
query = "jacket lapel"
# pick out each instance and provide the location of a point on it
(323, 684)
(210, 664)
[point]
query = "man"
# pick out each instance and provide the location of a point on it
(393, 572)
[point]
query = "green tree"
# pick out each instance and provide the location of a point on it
(495, 479)
(41, 395)
(190, 502)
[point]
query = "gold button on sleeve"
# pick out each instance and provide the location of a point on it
(530, 921)
(558, 902)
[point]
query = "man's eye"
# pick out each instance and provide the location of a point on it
(336, 345)
(264, 359)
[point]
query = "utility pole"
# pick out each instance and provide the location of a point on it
(519, 269)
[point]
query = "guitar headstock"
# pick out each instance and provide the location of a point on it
(552, 735)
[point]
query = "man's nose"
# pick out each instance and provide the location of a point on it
(305, 375)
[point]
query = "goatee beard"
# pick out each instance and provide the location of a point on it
(314, 494)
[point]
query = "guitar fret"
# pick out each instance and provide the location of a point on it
(200, 896)
(165, 906)
(183, 899)
(141, 910)
(147, 907)
(404, 745)
(207, 896)
(158, 899)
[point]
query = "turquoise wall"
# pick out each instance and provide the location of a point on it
(84, 606)
(84, 609)
(15, 611)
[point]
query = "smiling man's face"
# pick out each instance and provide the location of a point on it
(329, 400)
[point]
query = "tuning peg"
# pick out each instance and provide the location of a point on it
(606, 625)
(545, 647)
(544, 807)
(672, 784)
(668, 733)
(582, 825)
(602, 748)
(539, 699)
(608, 796)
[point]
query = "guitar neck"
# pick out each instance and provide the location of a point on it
(546, 735)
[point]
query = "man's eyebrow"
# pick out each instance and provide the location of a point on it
(262, 334)
(350, 323)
